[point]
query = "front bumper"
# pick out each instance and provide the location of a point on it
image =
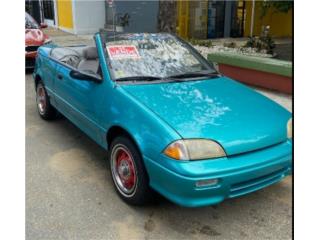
(237, 175)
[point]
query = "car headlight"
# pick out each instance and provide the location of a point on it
(289, 128)
(194, 149)
(47, 41)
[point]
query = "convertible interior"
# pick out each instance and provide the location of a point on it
(83, 58)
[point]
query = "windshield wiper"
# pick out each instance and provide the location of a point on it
(193, 75)
(168, 78)
(139, 78)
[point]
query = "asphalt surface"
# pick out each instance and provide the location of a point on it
(69, 195)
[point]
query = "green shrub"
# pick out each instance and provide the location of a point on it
(264, 42)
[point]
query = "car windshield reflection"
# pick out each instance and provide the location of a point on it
(158, 55)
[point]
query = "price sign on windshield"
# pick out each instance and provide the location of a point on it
(118, 52)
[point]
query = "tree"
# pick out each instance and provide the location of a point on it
(277, 6)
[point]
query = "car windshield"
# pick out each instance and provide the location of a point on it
(30, 22)
(152, 56)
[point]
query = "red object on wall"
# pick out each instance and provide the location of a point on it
(258, 78)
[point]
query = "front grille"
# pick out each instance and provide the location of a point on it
(32, 48)
(251, 185)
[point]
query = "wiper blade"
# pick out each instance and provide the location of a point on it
(193, 75)
(139, 78)
(168, 78)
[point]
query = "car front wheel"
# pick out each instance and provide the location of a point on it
(128, 172)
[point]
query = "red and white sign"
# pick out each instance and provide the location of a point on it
(117, 52)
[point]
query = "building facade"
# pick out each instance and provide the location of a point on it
(74, 16)
(207, 19)
(202, 19)
(280, 23)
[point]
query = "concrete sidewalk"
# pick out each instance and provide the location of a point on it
(66, 39)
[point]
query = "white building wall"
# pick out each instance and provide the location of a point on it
(88, 16)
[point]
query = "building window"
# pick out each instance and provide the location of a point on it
(216, 15)
(48, 9)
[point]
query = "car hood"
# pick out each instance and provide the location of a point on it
(221, 109)
(34, 37)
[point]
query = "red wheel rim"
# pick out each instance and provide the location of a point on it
(123, 170)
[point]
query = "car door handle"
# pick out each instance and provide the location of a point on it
(60, 77)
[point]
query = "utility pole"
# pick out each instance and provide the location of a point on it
(252, 18)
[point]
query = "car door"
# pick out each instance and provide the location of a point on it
(80, 100)
(49, 74)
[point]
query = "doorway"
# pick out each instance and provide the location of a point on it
(48, 12)
(216, 16)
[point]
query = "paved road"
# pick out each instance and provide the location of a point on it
(69, 195)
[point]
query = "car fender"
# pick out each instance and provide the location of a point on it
(150, 133)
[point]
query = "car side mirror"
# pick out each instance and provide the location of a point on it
(43, 25)
(85, 76)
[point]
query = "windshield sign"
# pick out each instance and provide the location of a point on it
(154, 55)
(122, 52)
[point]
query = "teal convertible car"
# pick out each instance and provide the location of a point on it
(169, 121)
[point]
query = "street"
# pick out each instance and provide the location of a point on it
(69, 195)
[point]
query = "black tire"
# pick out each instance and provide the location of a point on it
(141, 194)
(45, 109)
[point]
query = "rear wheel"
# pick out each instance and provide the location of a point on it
(45, 109)
(128, 172)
